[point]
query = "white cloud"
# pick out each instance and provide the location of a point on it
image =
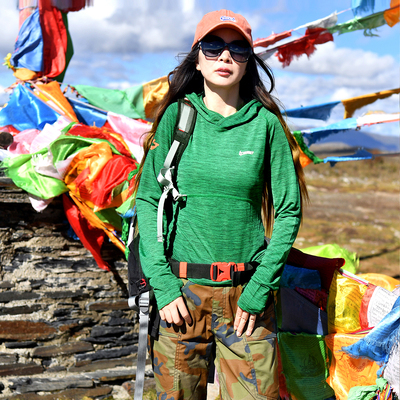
(130, 27)
(332, 74)
(3, 96)
(9, 27)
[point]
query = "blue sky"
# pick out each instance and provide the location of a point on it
(121, 43)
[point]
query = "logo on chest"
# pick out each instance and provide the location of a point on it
(242, 153)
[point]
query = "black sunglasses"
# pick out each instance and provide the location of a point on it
(213, 46)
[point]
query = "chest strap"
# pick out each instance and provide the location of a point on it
(238, 273)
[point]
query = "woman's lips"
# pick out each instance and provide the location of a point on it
(223, 72)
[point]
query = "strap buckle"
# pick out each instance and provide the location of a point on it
(222, 271)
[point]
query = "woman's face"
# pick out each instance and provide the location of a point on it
(222, 71)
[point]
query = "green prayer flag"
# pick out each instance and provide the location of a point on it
(304, 148)
(127, 102)
(21, 170)
(367, 23)
(367, 392)
(304, 365)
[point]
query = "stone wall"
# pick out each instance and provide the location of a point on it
(65, 325)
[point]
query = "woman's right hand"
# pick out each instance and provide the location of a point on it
(176, 312)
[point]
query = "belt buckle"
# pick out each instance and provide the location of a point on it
(222, 271)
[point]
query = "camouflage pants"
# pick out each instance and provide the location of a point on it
(247, 366)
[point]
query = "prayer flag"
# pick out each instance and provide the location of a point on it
(55, 39)
(367, 23)
(92, 238)
(127, 102)
(346, 371)
(28, 51)
(362, 6)
(354, 103)
(26, 111)
(392, 15)
(87, 114)
(52, 92)
(304, 365)
(316, 134)
(326, 22)
(320, 111)
(379, 342)
(271, 39)
(304, 45)
(344, 304)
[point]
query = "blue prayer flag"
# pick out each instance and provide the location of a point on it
(87, 114)
(316, 134)
(321, 111)
(26, 111)
(362, 6)
(28, 51)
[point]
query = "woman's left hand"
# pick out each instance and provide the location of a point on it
(243, 318)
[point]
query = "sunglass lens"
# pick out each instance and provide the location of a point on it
(212, 49)
(239, 52)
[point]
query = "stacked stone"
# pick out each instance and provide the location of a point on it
(65, 325)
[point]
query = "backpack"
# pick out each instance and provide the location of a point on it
(140, 292)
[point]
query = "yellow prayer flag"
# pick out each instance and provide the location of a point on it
(354, 103)
(344, 303)
(153, 93)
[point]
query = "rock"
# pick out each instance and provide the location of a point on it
(119, 393)
(21, 345)
(6, 297)
(18, 369)
(26, 330)
(8, 358)
(70, 394)
(107, 354)
(25, 385)
(21, 309)
(105, 305)
(99, 331)
(60, 350)
(104, 364)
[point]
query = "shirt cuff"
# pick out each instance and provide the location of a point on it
(254, 298)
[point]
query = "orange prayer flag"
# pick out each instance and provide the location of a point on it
(392, 15)
(346, 371)
(304, 160)
(52, 92)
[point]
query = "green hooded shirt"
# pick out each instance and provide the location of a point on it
(221, 173)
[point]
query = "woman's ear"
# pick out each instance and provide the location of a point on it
(198, 66)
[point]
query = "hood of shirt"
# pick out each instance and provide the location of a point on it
(246, 113)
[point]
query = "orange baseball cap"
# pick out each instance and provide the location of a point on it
(222, 19)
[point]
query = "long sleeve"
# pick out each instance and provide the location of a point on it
(152, 255)
(286, 202)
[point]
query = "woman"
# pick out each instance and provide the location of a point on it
(240, 166)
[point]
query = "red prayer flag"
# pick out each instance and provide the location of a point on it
(271, 39)
(91, 238)
(55, 39)
(304, 45)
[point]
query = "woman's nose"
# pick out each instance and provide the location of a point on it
(225, 55)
